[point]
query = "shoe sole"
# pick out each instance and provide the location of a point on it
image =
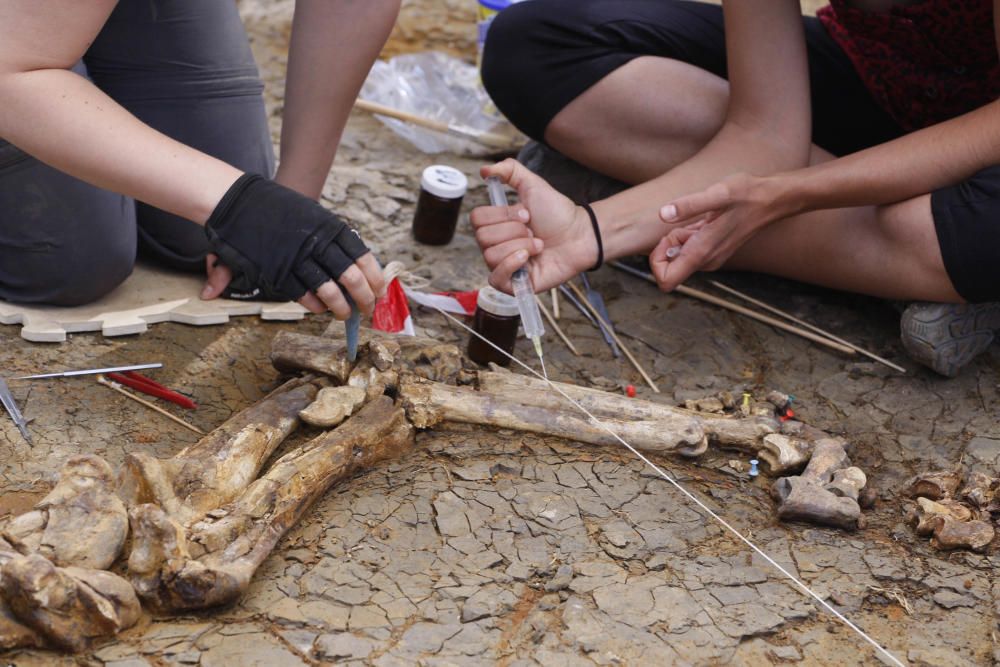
(949, 337)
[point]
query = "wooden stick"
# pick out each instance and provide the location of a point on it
(736, 308)
(555, 326)
(811, 327)
(491, 139)
(554, 295)
(597, 316)
(117, 387)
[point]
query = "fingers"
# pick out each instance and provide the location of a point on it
(218, 277)
(500, 277)
(499, 253)
(372, 271)
(492, 235)
(356, 284)
(311, 302)
(672, 261)
(331, 295)
(484, 216)
(705, 203)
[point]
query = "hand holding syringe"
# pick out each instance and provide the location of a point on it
(524, 292)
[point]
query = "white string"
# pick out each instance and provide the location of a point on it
(693, 498)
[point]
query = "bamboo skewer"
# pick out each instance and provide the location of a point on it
(811, 327)
(597, 316)
(736, 308)
(117, 387)
(554, 294)
(491, 139)
(555, 327)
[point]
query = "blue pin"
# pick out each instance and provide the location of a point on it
(753, 468)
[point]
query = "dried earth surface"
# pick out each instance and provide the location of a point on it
(485, 547)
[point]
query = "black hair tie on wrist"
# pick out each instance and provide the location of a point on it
(597, 235)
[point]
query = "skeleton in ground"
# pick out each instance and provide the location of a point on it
(203, 521)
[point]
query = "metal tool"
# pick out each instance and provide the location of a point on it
(89, 371)
(524, 291)
(352, 328)
(597, 301)
(579, 306)
(13, 411)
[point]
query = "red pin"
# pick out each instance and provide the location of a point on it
(630, 391)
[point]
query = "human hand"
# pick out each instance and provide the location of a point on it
(709, 226)
(545, 226)
(281, 245)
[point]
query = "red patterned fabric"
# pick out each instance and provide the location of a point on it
(923, 63)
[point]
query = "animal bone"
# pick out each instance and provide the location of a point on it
(806, 498)
(71, 607)
(211, 562)
(934, 485)
(430, 403)
(332, 406)
(80, 522)
(213, 471)
(952, 524)
(783, 453)
(847, 483)
(980, 490)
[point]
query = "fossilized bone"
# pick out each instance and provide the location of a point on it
(214, 470)
(827, 490)
(81, 521)
(211, 562)
(952, 523)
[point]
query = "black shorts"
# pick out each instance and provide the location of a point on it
(540, 55)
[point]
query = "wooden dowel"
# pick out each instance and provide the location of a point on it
(736, 308)
(491, 139)
(807, 325)
(555, 327)
(597, 316)
(554, 295)
(117, 387)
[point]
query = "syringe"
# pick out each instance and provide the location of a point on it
(524, 292)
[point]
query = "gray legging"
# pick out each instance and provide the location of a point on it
(184, 67)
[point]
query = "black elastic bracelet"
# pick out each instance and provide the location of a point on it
(597, 235)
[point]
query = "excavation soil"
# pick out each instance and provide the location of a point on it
(482, 547)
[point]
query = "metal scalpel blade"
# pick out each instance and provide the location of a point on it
(352, 328)
(8, 402)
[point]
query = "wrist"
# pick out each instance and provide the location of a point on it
(786, 193)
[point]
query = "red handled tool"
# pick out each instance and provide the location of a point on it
(151, 387)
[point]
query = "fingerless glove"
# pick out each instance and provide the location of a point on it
(278, 243)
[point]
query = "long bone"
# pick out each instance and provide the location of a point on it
(211, 562)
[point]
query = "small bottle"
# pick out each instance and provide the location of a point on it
(441, 192)
(497, 320)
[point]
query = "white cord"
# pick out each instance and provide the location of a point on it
(689, 495)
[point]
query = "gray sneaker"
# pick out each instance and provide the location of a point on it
(947, 336)
(579, 183)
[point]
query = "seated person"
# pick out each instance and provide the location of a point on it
(858, 150)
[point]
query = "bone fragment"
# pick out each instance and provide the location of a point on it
(211, 562)
(332, 406)
(783, 453)
(71, 607)
(975, 535)
(806, 498)
(980, 490)
(847, 483)
(214, 470)
(80, 522)
(430, 403)
(424, 357)
(934, 485)
(929, 515)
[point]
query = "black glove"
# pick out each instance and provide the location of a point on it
(279, 243)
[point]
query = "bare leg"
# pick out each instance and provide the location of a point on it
(653, 113)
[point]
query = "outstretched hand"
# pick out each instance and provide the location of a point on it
(708, 227)
(546, 227)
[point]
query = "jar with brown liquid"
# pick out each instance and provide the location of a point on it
(441, 191)
(497, 320)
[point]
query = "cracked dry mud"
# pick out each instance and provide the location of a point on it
(483, 546)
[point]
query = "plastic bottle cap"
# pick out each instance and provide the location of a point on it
(494, 301)
(444, 181)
